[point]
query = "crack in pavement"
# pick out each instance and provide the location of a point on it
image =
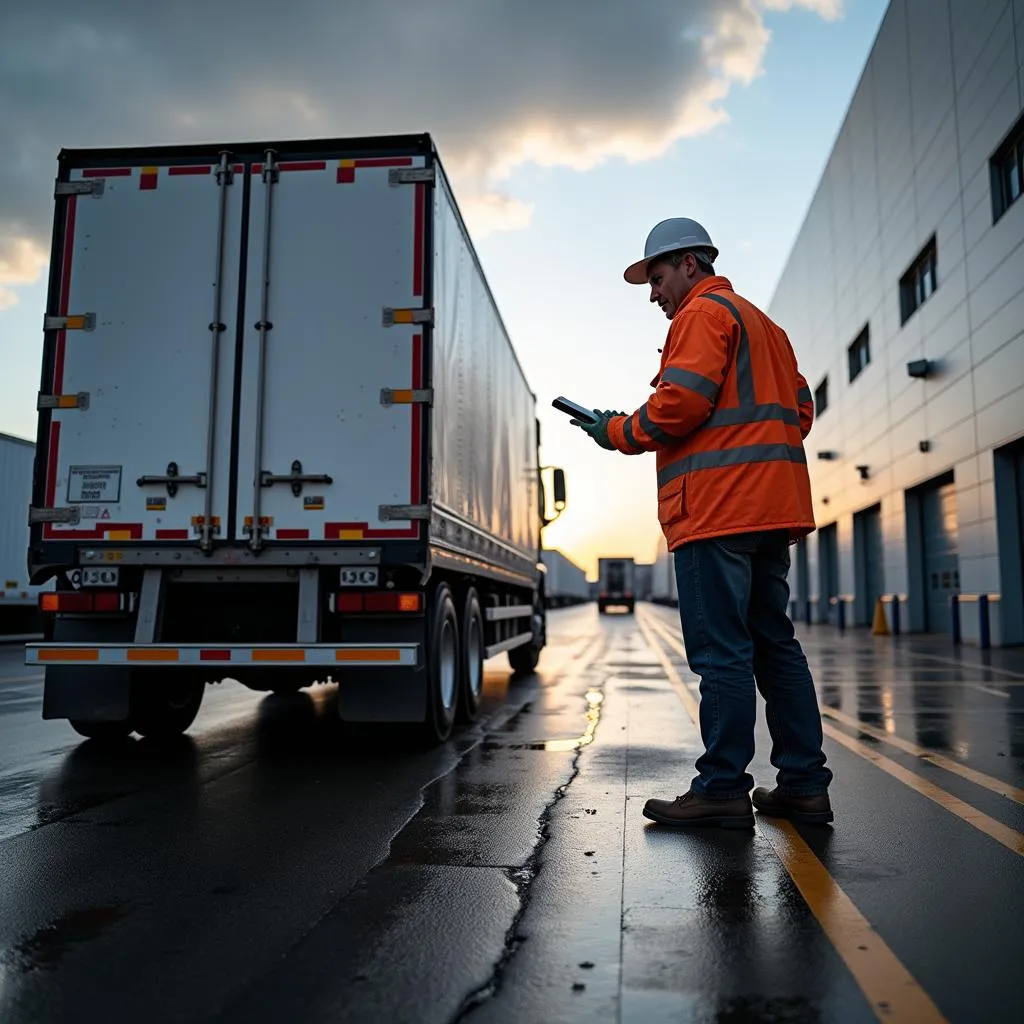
(523, 877)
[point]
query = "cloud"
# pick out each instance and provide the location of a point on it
(830, 10)
(499, 83)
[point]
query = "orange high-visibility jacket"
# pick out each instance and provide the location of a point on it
(727, 421)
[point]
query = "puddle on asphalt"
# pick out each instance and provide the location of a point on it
(593, 716)
(48, 946)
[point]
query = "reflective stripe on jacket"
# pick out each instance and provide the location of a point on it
(727, 420)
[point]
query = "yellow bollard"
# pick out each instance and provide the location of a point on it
(880, 627)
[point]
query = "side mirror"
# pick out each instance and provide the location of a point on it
(559, 489)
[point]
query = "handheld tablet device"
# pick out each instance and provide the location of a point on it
(577, 412)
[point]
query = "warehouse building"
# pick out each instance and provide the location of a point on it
(904, 298)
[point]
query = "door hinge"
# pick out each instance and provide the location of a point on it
(412, 176)
(406, 396)
(72, 515)
(79, 401)
(79, 322)
(87, 187)
(407, 316)
(387, 513)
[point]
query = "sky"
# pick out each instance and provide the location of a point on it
(569, 129)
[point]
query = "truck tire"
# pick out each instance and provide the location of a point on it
(164, 704)
(471, 675)
(442, 666)
(101, 732)
(524, 659)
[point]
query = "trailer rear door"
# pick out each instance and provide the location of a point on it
(142, 341)
(331, 411)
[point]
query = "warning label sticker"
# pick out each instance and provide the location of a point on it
(88, 484)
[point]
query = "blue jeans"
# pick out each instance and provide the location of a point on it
(733, 604)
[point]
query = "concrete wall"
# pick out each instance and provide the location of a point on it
(941, 89)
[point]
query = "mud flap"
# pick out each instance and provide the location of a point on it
(397, 695)
(90, 694)
(382, 695)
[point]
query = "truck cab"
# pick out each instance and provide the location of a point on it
(616, 584)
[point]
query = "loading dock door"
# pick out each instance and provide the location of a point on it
(941, 560)
(869, 551)
(828, 571)
(1009, 484)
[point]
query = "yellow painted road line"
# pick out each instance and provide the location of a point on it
(673, 676)
(892, 991)
(931, 756)
(1010, 838)
(967, 665)
(889, 987)
(988, 689)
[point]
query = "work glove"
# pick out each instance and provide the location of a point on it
(599, 430)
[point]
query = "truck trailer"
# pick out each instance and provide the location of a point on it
(663, 578)
(565, 582)
(283, 438)
(19, 600)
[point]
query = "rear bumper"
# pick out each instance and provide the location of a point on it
(226, 655)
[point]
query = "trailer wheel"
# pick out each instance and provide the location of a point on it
(471, 676)
(442, 666)
(102, 732)
(524, 659)
(164, 705)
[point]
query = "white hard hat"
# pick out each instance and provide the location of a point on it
(669, 236)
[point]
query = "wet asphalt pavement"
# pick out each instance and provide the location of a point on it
(272, 866)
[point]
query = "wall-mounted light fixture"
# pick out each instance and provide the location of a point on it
(924, 446)
(863, 470)
(920, 368)
(828, 456)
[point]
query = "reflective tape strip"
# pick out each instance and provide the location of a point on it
(627, 430)
(229, 654)
(653, 430)
(151, 654)
(758, 414)
(704, 386)
(744, 373)
(804, 395)
(726, 457)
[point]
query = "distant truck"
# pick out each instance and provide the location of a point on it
(19, 600)
(283, 438)
(616, 584)
(565, 583)
(663, 579)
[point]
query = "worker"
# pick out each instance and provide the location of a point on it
(727, 420)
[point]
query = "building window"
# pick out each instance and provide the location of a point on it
(1007, 170)
(859, 353)
(917, 284)
(821, 397)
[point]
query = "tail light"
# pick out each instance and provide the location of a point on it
(75, 601)
(378, 601)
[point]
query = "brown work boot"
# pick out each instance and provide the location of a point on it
(691, 809)
(811, 810)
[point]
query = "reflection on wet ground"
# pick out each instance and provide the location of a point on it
(282, 866)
